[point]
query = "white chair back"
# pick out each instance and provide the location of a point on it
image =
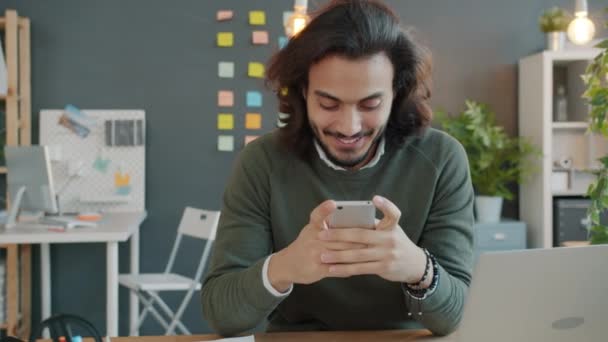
(199, 223)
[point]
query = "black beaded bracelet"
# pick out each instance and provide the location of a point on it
(427, 269)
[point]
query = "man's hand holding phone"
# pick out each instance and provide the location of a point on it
(300, 262)
(388, 252)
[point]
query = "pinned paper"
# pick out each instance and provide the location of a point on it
(225, 143)
(225, 98)
(253, 121)
(257, 18)
(250, 138)
(223, 15)
(254, 99)
(225, 69)
(259, 37)
(225, 39)
(101, 164)
(255, 70)
(122, 183)
(225, 121)
(283, 42)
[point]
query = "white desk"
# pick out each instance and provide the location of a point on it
(112, 229)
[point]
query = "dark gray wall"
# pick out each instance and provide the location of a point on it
(160, 56)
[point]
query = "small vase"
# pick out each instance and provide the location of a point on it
(556, 40)
(488, 208)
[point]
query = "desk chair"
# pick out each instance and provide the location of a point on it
(196, 223)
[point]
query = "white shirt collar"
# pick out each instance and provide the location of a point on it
(371, 163)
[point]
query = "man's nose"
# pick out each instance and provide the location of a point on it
(350, 122)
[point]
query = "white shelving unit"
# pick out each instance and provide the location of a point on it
(538, 76)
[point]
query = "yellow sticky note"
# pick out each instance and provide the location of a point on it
(259, 37)
(253, 121)
(225, 39)
(284, 91)
(250, 138)
(257, 18)
(225, 98)
(256, 70)
(225, 121)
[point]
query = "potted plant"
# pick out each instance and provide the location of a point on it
(554, 23)
(496, 160)
(596, 81)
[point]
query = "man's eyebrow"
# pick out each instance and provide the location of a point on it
(329, 96)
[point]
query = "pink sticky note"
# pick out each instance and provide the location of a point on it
(225, 98)
(224, 15)
(250, 138)
(260, 37)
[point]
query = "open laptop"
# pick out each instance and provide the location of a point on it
(538, 295)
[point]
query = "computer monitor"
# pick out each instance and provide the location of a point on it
(29, 181)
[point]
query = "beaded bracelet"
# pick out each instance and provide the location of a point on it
(427, 269)
(421, 294)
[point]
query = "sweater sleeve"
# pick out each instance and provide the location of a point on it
(448, 235)
(233, 296)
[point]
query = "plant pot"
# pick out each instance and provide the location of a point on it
(556, 40)
(488, 208)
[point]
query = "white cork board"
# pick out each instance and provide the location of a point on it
(94, 172)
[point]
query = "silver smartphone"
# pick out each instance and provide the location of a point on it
(353, 214)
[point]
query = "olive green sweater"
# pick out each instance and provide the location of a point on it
(268, 201)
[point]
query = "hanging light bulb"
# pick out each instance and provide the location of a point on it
(298, 20)
(581, 29)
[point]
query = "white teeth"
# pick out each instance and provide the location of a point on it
(349, 141)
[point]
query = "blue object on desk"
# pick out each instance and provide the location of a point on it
(499, 236)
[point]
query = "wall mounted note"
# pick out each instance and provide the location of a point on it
(225, 98)
(283, 42)
(225, 69)
(255, 70)
(254, 99)
(225, 143)
(253, 121)
(224, 15)
(225, 39)
(259, 37)
(250, 138)
(225, 121)
(257, 18)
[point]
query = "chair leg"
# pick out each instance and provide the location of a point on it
(180, 310)
(169, 313)
(149, 306)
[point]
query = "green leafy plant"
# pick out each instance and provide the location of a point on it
(554, 19)
(496, 160)
(596, 81)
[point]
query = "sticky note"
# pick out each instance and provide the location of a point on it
(121, 179)
(284, 91)
(259, 37)
(257, 18)
(283, 42)
(225, 121)
(253, 121)
(286, 16)
(223, 15)
(225, 69)
(225, 98)
(250, 138)
(254, 99)
(255, 70)
(225, 39)
(225, 143)
(101, 164)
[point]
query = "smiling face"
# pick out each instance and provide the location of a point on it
(349, 103)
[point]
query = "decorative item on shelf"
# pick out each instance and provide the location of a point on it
(298, 19)
(496, 160)
(554, 22)
(596, 82)
(560, 107)
(581, 29)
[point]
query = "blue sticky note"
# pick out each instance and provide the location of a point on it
(282, 42)
(101, 164)
(254, 99)
(123, 190)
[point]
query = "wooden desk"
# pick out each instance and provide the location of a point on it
(333, 336)
(113, 228)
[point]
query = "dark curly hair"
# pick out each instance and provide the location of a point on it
(354, 29)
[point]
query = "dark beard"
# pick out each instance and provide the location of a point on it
(354, 162)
